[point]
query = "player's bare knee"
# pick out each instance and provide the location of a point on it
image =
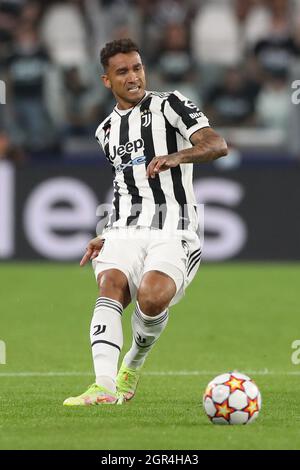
(155, 293)
(150, 306)
(113, 284)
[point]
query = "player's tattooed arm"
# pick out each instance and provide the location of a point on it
(92, 250)
(208, 145)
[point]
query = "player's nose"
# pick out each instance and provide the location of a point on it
(132, 78)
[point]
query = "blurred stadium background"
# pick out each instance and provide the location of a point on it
(239, 60)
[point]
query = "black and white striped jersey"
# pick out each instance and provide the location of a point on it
(160, 124)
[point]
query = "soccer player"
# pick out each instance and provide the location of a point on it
(149, 250)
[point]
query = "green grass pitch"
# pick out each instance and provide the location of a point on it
(234, 316)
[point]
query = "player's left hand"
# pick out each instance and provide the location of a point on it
(163, 163)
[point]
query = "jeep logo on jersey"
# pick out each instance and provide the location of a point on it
(129, 148)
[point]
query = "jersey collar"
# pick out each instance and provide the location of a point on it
(121, 112)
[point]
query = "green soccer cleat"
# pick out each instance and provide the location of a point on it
(127, 381)
(95, 395)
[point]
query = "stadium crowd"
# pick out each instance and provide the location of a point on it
(235, 58)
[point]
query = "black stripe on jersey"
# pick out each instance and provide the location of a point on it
(106, 130)
(179, 107)
(176, 174)
(116, 203)
(104, 219)
(159, 217)
(136, 199)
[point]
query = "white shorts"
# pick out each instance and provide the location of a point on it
(135, 251)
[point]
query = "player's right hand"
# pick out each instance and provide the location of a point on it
(92, 250)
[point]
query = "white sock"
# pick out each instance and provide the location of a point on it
(145, 331)
(107, 340)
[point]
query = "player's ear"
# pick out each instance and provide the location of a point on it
(106, 81)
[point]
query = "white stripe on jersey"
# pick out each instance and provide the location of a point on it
(160, 124)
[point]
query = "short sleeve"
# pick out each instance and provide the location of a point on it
(184, 115)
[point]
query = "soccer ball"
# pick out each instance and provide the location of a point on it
(232, 398)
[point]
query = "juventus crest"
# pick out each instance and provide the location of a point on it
(146, 117)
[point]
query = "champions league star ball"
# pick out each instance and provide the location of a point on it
(232, 398)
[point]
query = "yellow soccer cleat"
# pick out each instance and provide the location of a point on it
(95, 395)
(127, 381)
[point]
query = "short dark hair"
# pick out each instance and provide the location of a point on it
(115, 47)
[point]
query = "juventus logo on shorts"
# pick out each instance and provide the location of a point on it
(146, 117)
(185, 246)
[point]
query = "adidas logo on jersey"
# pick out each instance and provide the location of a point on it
(129, 148)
